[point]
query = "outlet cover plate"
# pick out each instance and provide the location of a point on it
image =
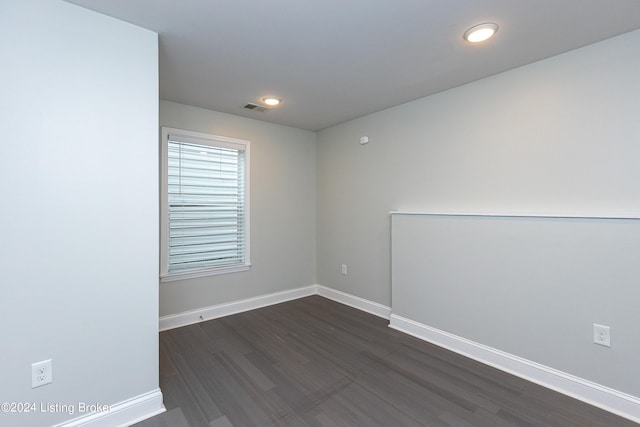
(602, 335)
(41, 373)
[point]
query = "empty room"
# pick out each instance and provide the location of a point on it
(320, 213)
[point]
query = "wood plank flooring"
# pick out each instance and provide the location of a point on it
(315, 362)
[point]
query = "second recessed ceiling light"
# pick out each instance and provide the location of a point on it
(480, 33)
(271, 102)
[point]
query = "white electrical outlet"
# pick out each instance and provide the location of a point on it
(601, 335)
(344, 269)
(41, 373)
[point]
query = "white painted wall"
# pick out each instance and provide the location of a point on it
(556, 136)
(529, 286)
(283, 211)
(79, 217)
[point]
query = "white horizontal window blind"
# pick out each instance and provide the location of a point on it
(206, 204)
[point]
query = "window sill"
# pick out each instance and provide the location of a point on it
(167, 277)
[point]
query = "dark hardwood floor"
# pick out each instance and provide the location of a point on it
(315, 362)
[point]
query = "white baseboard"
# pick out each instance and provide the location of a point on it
(354, 301)
(220, 310)
(234, 307)
(122, 414)
(603, 397)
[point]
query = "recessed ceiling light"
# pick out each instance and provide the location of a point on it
(480, 33)
(272, 102)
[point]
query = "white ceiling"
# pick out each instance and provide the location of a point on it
(334, 60)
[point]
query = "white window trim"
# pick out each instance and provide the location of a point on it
(216, 140)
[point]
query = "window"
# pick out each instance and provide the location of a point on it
(205, 205)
